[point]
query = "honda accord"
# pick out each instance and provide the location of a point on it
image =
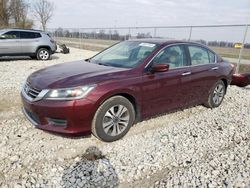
(126, 83)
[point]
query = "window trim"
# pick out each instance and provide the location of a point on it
(187, 54)
(215, 56)
(205, 48)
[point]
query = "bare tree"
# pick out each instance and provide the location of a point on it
(4, 13)
(43, 11)
(19, 10)
(16, 9)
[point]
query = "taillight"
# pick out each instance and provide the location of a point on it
(233, 67)
(52, 41)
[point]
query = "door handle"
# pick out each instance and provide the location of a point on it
(186, 73)
(215, 68)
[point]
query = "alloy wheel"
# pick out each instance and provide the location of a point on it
(44, 55)
(218, 94)
(116, 120)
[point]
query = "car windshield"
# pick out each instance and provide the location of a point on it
(126, 54)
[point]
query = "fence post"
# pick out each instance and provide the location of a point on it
(80, 38)
(190, 33)
(129, 33)
(241, 50)
(110, 33)
(155, 30)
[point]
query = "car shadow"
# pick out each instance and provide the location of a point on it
(20, 58)
(75, 136)
(93, 169)
(247, 88)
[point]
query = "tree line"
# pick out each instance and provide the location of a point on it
(23, 14)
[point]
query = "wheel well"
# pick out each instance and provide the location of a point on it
(46, 47)
(133, 101)
(225, 82)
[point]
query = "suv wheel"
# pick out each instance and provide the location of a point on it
(216, 96)
(43, 54)
(113, 119)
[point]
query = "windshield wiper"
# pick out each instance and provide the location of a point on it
(104, 64)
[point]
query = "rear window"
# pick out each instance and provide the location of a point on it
(29, 35)
(198, 55)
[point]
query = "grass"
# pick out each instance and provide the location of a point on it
(231, 52)
(244, 68)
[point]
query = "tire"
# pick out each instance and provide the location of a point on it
(43, 54)
(113, 119)
(216, 95)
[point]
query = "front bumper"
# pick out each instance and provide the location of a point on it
(68, 117)
(53, 48)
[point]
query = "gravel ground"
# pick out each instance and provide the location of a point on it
(188, 148)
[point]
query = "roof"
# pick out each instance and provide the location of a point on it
(20, 29)
(162, 41)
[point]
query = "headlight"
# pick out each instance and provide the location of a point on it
(69, 93)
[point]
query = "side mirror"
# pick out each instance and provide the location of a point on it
(160, 68)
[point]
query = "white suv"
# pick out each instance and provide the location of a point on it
(22, 42)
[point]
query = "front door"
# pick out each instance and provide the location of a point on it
(164, 91)
(10, 43)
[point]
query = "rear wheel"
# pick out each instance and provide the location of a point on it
(113, 119)
(43, 54)
(216, 95)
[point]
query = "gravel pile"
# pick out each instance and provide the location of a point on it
(191, 147)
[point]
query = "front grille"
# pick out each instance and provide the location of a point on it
(31, 91)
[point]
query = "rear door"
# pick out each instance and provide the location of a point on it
(205, 72)
(29, 41)
(10, 43)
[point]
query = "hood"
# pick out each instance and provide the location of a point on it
(73, 74)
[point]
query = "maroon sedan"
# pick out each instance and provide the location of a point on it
(128, 82)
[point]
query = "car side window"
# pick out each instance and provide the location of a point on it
(11, 35)
(174, 56)
(211, 57)
(198, 55)
(29, 35)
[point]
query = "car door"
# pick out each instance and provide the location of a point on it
(204, 71)
(29, 41)
(163, 91)
(10, 43)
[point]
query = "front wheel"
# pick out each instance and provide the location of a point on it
(216, 95)
(43, 54)
(113, 119)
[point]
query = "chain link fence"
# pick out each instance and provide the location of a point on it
(230, 41)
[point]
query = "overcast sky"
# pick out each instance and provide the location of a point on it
(110, 13)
